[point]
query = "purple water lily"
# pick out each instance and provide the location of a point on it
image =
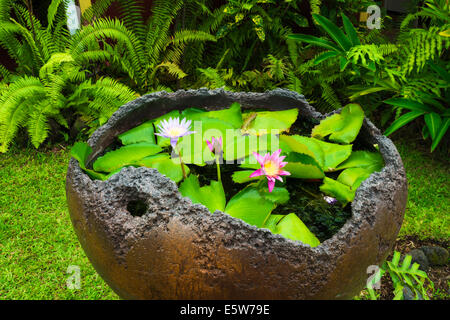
(330, 200)
(271, 165)
(174, 129)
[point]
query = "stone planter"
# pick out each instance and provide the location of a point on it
(178, 250)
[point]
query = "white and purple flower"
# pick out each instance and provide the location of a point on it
(174, 129)
(271, 165)
(330, 200)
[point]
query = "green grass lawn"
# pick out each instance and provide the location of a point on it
(38, 244)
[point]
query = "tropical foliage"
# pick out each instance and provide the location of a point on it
(403, 276)
(65, 85)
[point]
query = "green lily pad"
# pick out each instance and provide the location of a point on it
(334, 154)
(291, 227)
(232, 115)
(142, 133)
(341, 127)
(265, 121)
(250, 206)
(124, 156)
(243, 176)
(353, 177)
(279, 195)
(338, 190)
(193, 147)
(371, 161)
(171, 168)
(212, 196)
(81, 151)
(302, 166)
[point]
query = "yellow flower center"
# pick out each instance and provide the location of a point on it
(271, 168)
(175, 132)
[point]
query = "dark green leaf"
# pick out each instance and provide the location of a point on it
(350, 30)
(409, 104)
(325, 56)
(442, 130)
(316, 41)
(403, 120)
(433, 122)
(335, 33)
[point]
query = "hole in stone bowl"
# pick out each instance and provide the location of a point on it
(137, 208)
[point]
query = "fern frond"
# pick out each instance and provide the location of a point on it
(213, 78)
(15, 103)
(163, 12)
(114, 29)
(131, 13)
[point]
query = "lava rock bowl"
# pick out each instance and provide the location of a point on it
(174, 249)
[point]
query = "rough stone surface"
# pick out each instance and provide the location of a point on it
(178, 250)
(437, 256)
(417, 256)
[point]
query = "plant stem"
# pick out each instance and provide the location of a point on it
(182, 164)
(218, 168)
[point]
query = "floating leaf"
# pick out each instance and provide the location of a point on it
(371, 161)
(124, 156)
(303, 166)
(266, 121)
(334, 154)
(353, 177)
(165, 165)
(232, 115)
(278, 195)
(212, 196)
(272, 220)
(243, 176)
(298, 144)
(337, 190)
(142, 133)
(243, 146)
(81, 151)
(341, 127)
(291, 227)
(250, 206)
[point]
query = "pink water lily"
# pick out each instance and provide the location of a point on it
(215, 144)
(271, 165)
(174, 129)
